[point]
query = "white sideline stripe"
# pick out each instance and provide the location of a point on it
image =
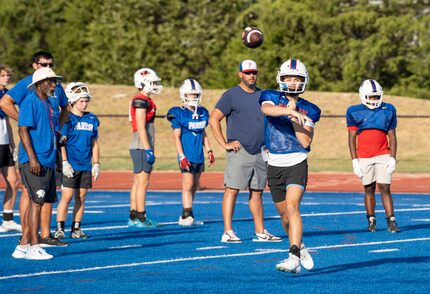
(164, 261)
(126, 246)
(421, 219)
(3, 235)
(210, 248)
(384, 250)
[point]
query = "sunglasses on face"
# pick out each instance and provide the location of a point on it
(46, 64)
(250, 73)
(50, 82)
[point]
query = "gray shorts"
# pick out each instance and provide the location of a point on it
(244, 170)
(140, 163)
(40, 188)
(375, 170)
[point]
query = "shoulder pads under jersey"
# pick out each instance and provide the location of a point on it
(140, 103)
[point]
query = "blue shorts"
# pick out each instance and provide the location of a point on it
(140, 163)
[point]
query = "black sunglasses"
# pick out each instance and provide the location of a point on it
(250, 73)
(44, 64)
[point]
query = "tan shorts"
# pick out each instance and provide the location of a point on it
(375, 170)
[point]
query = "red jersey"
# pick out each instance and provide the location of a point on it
(141, 101)
(371, 143)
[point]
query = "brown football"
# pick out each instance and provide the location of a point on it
(252, 37)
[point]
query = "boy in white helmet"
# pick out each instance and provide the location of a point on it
(373, 147)
(141, 115)
(188, 123)
(290, 122)
(80, 136)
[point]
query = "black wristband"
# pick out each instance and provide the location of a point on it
(209, 151)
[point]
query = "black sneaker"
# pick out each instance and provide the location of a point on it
(392, 226)
(372, 224)
(52, 242)
(78, 234)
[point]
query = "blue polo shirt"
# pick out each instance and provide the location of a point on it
(20, 91)
(35, 114)
(80, 132)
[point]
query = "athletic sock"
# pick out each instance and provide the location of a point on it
(133, 214)
(76, 226)
(186, 212)
(295, 250)
(61, 225)
(141, 215)
(7, 215)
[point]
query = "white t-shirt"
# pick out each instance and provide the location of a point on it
(4, 136)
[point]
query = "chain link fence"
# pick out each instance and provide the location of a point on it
(329, 153)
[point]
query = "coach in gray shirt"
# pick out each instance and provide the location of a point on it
(245, 166)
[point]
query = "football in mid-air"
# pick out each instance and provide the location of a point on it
(252, 37)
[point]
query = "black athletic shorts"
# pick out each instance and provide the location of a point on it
(40, 188)
(81, 179)
(195, 168)
(279, 178)
(6, 157)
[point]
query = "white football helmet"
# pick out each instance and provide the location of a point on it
(292, 67)
(371, 88)
(191, 86)
(147, 80)
(77, 90)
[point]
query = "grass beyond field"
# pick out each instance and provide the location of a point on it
(329, 149)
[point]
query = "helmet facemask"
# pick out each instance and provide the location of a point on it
(292, 68)
(370, 89)
(75, 91)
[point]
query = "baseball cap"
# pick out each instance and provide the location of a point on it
(41, 74)
(248, 65)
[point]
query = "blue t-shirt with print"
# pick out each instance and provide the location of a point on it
(35, 114)
(80, 132)
(192, 129)
(245, 121)
(20, 91)
(280, 137)
(383, 118)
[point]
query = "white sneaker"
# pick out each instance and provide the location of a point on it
(37, 253)
(189, 221)
(186, 222)
(230, 237)
(21, 251)
(11, 226)
(2, 230)
(291, 265)
(266, 237)
(306, 258)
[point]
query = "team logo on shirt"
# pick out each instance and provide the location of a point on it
(84, 126)
(196, 125)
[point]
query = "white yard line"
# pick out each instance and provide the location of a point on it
(186, 259)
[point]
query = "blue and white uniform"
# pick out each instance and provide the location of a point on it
(80, 132)
(280, 137)
(191, 130)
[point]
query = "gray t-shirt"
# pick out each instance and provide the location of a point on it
(245, 121)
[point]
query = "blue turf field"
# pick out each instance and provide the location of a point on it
(117, 259)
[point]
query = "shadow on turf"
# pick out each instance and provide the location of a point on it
(367, 264)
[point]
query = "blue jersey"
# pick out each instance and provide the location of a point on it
(80, 132)
(191, 130)
(35, 114)
(245, 121)
(383, 118)
(2, 92)
(20, 91)
(280, 137)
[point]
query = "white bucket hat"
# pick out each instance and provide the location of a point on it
(41, 74)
